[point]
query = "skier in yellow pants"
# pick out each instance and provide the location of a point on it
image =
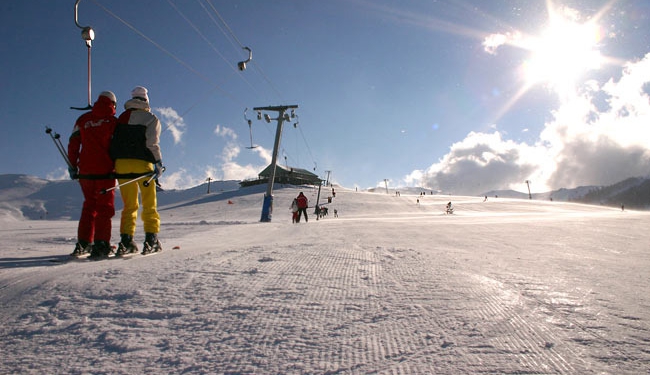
(135, 148)
(129, 193)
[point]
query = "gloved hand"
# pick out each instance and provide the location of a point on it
(74, 174)
(158, 170)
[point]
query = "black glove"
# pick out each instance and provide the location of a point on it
(158, 170)
(74, 174)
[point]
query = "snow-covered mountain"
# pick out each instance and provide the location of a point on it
(632, 193)
(28, 197)
(33, 198)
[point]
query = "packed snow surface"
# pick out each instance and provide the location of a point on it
(391, 286)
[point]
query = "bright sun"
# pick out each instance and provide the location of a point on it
(562, 53)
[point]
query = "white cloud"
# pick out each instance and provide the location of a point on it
(414, 178)
(58, 174)
(234, 171)
(264, 154)
(492, 42)
(178, 179)
(230, 151)
(230, 169)
(602, 136)
(599, 136)
(479, 163)
(173, 122)
(225, 132)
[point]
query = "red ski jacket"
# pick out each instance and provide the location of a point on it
(302, 201)
(90, 141)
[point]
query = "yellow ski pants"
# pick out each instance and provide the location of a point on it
(129, 193)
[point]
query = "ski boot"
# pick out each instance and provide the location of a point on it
(101, 250)
(81, 248)
(151, 244)
(126, 246)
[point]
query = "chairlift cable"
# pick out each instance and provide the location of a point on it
(236, 44)
(258, 68)
(268, 80)
(191, 69)
(167, 52)
(306, 143)
(232, 34)
(228, 62)
(234, 37)
(193, 26)
(203, 97)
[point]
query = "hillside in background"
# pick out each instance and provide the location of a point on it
(632, 193)
(32, 198)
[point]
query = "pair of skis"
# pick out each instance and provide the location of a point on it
(85, 257)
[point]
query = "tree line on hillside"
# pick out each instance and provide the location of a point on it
(632, 193)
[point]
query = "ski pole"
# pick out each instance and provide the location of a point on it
(104, 191)
(153, 176)
(56, 138)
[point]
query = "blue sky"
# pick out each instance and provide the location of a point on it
(457, 96)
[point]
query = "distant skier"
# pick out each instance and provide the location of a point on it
(92, 165)
(136, 150)
(294, 211)
(449, 208)
(303, 203)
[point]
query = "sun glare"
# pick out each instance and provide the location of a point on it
(562, 54)
(559, 56)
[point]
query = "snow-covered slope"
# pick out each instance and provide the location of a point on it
(391, 286)
(32, 198)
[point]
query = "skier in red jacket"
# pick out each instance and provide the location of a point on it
(88, 151)
(302, 202)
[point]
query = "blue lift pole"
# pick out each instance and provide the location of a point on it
(267, 206)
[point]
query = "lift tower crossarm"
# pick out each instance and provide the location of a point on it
(276, 108)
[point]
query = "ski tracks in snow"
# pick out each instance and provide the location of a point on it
(339, 297)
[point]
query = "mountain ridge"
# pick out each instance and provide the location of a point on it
(25, 197)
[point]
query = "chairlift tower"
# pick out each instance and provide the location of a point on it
(317, 206)
(327, 182)
(267, 205)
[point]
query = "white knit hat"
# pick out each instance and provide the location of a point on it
(110, 95)
(140, 92)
